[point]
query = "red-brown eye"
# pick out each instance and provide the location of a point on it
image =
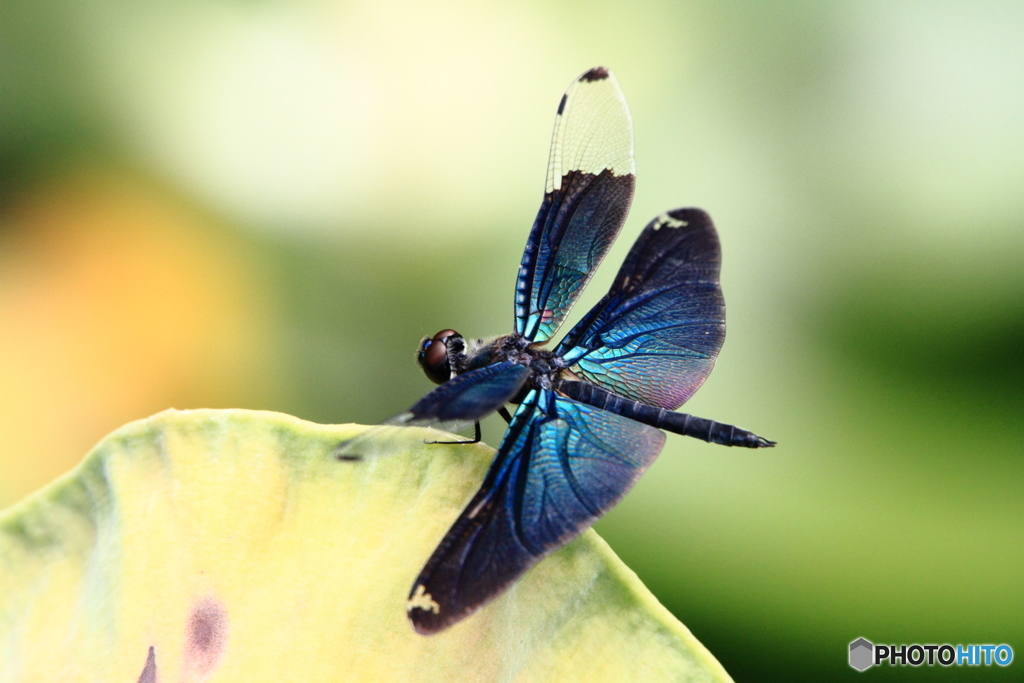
(433, 357)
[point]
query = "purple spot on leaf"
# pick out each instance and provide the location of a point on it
(149, 671)
(206, 635)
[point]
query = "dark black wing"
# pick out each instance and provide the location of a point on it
(465, 399)
(586, 198)
(656, 334)
(561, 465)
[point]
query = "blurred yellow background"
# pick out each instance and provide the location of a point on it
(264, 205)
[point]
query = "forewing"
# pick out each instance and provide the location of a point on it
(656, 334)
(586, 198)
(560, 466)
(465, 399)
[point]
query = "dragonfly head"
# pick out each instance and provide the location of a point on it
(435, 353)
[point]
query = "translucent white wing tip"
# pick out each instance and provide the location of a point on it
(593, 129)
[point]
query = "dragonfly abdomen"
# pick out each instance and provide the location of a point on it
(669, 420)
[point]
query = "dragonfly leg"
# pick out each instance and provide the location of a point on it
(476, 437)
(505, 414)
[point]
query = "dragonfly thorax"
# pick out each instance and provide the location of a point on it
(447, 354)
(515, 348)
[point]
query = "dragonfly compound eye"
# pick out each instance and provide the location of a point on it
(433, 356)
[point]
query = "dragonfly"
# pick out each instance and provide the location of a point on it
(591, 411)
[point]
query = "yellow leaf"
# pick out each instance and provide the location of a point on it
(233, 546)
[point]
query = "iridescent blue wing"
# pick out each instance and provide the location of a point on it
(465, 399)
(655, 336)
(561, 465)
(586, 198)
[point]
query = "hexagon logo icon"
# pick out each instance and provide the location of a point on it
(861, 654)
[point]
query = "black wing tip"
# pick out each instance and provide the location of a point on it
(427, 622)
(691, 214)
(598, 73)
(427, 615)
(427, 627)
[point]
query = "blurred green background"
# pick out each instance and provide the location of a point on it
(265, 204)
